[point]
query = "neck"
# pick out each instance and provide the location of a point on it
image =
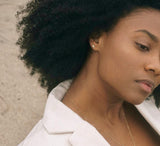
(89, 97)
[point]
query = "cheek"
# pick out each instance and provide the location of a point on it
(117, 64)
(119, 68)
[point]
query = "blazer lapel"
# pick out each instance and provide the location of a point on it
(59, 119)
(87, 135)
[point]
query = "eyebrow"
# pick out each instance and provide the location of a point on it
(152, 36)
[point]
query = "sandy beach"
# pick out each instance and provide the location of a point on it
(22, 100)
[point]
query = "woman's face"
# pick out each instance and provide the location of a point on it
(129, 56)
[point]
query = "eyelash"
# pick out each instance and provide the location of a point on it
(142, 47)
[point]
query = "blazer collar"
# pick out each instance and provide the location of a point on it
(59, 119)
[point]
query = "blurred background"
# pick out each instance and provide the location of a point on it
(22, 100)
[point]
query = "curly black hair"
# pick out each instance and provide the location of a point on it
(54, 34)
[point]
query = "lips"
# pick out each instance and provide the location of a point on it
(148, 85)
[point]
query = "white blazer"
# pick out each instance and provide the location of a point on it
(60, 126)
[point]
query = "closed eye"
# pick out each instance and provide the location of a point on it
(142, 47)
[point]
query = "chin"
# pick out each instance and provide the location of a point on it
(136, 98)
(136, 101)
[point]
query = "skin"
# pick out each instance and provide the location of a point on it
(106, 86)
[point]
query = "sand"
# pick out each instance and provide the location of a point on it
(22, 100)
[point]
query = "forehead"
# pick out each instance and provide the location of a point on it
(148, 19)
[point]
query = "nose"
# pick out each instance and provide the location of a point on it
(153, 66)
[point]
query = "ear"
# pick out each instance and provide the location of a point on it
(94, 44)
(96, 40)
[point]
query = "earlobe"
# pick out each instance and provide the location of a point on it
(94, 44)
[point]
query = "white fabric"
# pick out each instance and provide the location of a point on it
(60, 126)
(151, 113)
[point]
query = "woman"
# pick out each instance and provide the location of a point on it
(106, 54)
